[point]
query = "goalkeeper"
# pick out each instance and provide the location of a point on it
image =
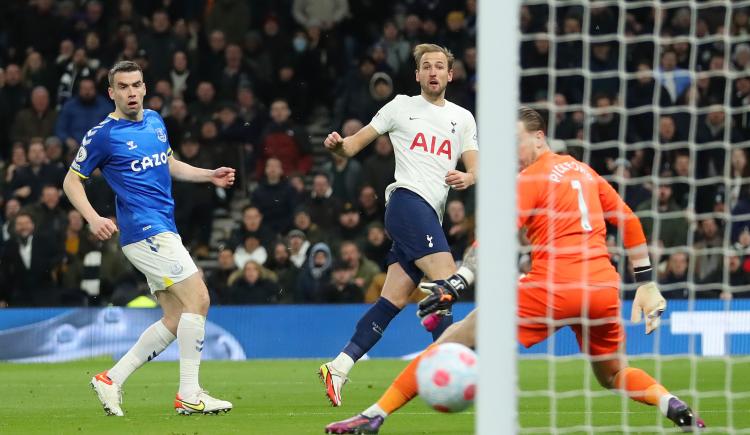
(563, 205)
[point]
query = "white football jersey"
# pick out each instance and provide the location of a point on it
(427, 142)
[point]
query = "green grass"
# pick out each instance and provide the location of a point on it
(285, 397)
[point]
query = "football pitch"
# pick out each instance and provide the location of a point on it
(286, 397)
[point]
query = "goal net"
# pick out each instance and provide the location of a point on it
(655, 96)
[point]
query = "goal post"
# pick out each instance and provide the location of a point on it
(496, 284)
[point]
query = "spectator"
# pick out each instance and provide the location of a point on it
(346, 176)
(18, 160)
(674, 277)
(38, 27)
(28, 266)
(363, 268)
(377, 245)
(205, 106)
(708, 264)
(234, 75)
(739, 187)
(183, 80)
(179, 123)
(349, 228)
(369, 207)
(212, 60)
(457, 228)
(298, 247)
(354, 100)
(303, 223)
(315, 274)
(27, 182)
(674, 79)
(671, 230)
(322, 205)
(74, 72)
(253, 114)
(253, 288)
(341, 289)
(605, 128)
(12, 207)
(48, 216)
(252, 224)
(325, 14)
(160, 43)
(13, 94)
(250, 250)
(217, 280)
(194, 202)
(275, 198)
(37, 120)
(397, 50)
(231, 17)
(80, 114)
(379, 169)
(286, 141)
(286, 271)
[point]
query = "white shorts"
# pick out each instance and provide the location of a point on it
(162, 258)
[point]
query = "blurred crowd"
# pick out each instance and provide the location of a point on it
(655, 97)
(239, 83)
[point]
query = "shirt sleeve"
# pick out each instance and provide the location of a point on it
(469, 135)
(384, 121)
(526, 197)
(617, 213)
(93, 151)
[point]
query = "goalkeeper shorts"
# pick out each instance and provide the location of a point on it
(593, 313)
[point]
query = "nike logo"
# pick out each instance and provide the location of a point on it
(200, 406)
(412, 119)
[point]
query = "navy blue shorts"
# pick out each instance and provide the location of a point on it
(415, 229)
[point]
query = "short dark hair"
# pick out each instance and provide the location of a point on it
(532, 120)
(122, 66)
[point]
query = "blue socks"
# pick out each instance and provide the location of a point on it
(370, 328)
(445, 322)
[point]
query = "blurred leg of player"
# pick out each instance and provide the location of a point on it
(404, 387)
(397, 289)
(603, 338)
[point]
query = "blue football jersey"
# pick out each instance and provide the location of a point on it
(133, 157)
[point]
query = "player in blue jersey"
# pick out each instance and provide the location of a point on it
(132, 150)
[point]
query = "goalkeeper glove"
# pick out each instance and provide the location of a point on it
(649, 301)
(441, 295)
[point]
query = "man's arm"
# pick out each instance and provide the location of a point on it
(101, 227)
(351, 145)
(463, 180)
(221, 177)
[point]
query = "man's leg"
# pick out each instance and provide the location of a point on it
(397, 288)
(404, 387)
(152, 342)
(191, 398)
(439, 265)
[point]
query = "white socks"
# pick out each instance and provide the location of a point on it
(190, 335)
(151, 343)
(373, 411)
(343, 363)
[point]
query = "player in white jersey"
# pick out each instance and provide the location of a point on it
(429, 135)
(132, 150)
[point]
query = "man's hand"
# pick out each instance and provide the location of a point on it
(459, 180)
(442, 294)
(102, 227)
(334, 142)
(649, 301)
(223, 177)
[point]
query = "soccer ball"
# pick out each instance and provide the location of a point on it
(447, 377)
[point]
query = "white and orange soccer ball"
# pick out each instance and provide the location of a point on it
(447, 377)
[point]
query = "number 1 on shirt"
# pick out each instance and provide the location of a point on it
(585, 224)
